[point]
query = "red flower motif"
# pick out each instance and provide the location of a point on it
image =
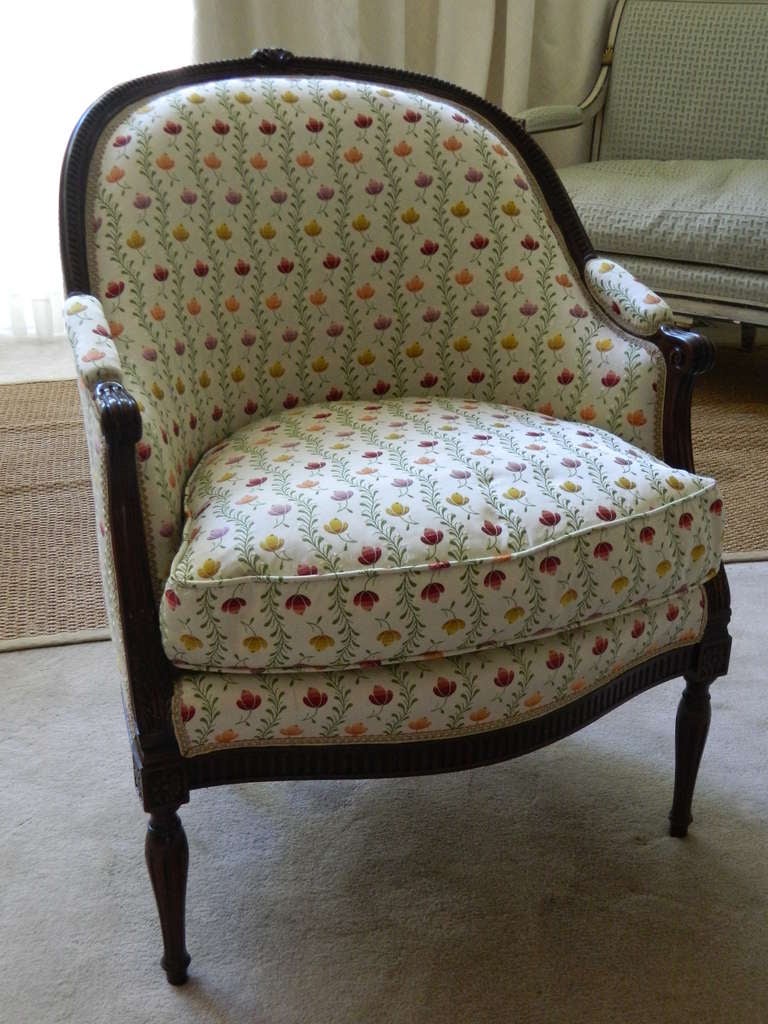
(638, 628)
(549, 565)
(504, 677)
(172, 598)
(475, 376)
(490, 529)
(363, 121)
(220, 127)
(428, 380)
(603, 550)
(529, 243)
(432, 592)
(444, 687)
(233, 605)
(479, 242)
(314, 125)
(716, 507)
(380, 696)
(555, 659)
(248, 701)
(334, 394)
(187, 712)
(600, 646)
(369, 555)
(647, 534)
(114, 288)
(564, 377)
(381, 387)
(548, 518)
(143, 450)
(160, 273)
(315, 698)
(334, 330)
(521, 376)
(285, 266)
(380, 255)
(267, 128)
(172, 128)
(331, 261)
(429, 248)
(365, 599)
(672, 612)
(290, 401)
(606, 514)
(610, 380)
(431, 537)
(494, 579)
(242, 267)
(297, 603)
(412, 116)
(200, 269)
(685, 521)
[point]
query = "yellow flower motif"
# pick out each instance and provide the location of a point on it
(195, 97)
(243, 97)
(223, 232)
(626, 483)
(180, 233)
(604, 345)
(238, 374)
(336, 526)
(225, 476)
(271, 543)
(76, 307)
(361, 222)
(157, 391)
(619, 584)
(254, 643)
(204, 379)
(192, 643)
(460, 209)
(509, 342)
(513, 614)
(322, 642)
(409, 216)
(366, 357)
(339, 446)
(181, 387)
(337, 95)
(289, 97)
(663, 568)
(276, 370)
(397, 509)
(319, 364)
(510, 208)
(675, 484)
(513, 493)
(283, 458)
(697, 552)
(453, 626)
(462, 344)
(414, 350)
(570, 487)
(135, 240)
(386, 93)
(568, 597)
(312, 228)
(556, 342)
(267, 232)
(208, 569)
(387, 637)
(605, 266)
(457, 499)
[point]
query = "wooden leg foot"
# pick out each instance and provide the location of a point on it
(167, 856)
(693, 715)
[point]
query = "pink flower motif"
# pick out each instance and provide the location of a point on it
(331, 261)
(365, 599)
(315, 698)
(685, 521)
(521, 182)
(187, 712)
(334, 330)
(220, 127)
(374, 187)
(479, 242)
(325, 192)
(314, 125)
(521, 376)
(412, 116)
(473, 176)
(647, 534)
(380, 696)
(428, 380)
(423, 180)
(430, 537)
(638, 628)
(172, 599)
(528, 308)
(578, 312)
(302, 569)
(430, 315)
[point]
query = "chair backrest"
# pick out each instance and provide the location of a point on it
(261, 242)
(689, 81)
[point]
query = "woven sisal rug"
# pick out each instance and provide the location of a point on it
(48, 562)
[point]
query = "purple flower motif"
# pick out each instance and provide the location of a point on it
(233, 197)
(430, 315)
(278, 196)
(290, 334)
(404, 481)
(333, 330)
(521, 182)
(211, 342)
(189, 196)
(479, 309)
(460, 118)
(374, 187)
(141, 202)
(460, 474)
(578, 312)
(121, 140)
(248, 339)
(528, 308)
(423, 180)
(278, 510)
(381, 323)
(341, 495)
(325, 192)
(218, 532)
(570, 463)
(473, 175)
(516, 467)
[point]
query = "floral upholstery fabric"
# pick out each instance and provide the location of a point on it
(623, 297)
(261, 244)
(429, 699)
(344, 533)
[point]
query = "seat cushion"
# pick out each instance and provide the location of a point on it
(337, 535)
(713, 212)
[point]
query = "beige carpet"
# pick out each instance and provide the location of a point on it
(541, 891)
(49, 564)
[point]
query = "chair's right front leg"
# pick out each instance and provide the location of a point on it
(167, 856)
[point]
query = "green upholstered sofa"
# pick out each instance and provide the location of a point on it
(677, 184)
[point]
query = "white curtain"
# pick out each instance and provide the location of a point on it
(517, 53)
(54, 61)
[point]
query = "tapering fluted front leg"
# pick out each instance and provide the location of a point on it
(693, 715)
(167, 859)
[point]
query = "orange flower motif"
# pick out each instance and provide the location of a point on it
(564, 281)
(353, 155)
(546, 409)
(258, 162)
(402, 149)
(587, 413)
(414, 284)
(211, 161)
(115, 328)
(636, 418)
(533, 700)
(452, 144)
(193, 307)
(165, 162)
(651, 299)
(479, 715)
(273, 301)
(231, 304)
(365, 291)
(355, 729)
(305, 159)
(417, 724)
(228, 736)
(318, 298)
(157, 312)
(291, 730)
(463, 277)
(578, 686)
(500, 150)
(514, 274)
(115, 174)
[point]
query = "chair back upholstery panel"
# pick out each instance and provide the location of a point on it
(259, 243)
(709, 106)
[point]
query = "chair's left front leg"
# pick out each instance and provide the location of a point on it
(167, 860)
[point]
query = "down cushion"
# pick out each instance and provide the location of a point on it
(337, 535)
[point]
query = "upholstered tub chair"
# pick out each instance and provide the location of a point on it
(676, 187)
(393, 474)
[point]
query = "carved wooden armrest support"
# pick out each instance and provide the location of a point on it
(118, 412)
(686, 354)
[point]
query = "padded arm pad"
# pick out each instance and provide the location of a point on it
(89, 334)
(625, 299)
(551, 119)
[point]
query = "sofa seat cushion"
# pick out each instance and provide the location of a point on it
(436, 699)
(713, 212)
(336, 535)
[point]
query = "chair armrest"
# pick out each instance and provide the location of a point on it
(551, 119)
(96, 357)
(626, 300)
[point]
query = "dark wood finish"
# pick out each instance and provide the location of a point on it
(686, 354)
(167, 856)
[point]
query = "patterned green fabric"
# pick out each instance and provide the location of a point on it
(689, 81)
(697, 211)
(262, 244)
(339, 534)
(429, 699)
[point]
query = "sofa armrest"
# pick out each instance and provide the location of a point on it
(537, 120)
(96, 356)
(624, 299)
